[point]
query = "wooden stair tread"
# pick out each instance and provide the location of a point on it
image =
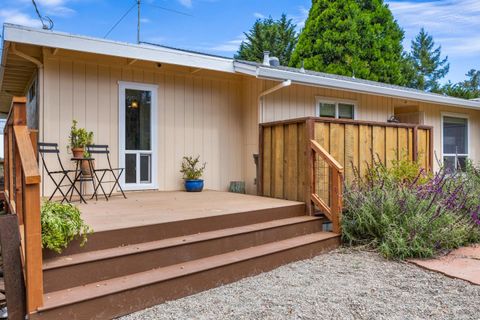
(99, 289)
(85, 257)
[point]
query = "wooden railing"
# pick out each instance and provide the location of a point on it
(309, 159)
(22, 195)
(334, 173)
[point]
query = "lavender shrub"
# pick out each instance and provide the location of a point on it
(408, 213)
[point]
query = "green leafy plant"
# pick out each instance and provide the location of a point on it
(191, 168)
(61, 223)
(79, 137)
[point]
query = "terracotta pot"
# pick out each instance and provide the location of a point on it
(86, 168)
(77, 152)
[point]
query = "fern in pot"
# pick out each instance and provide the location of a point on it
(192, 171)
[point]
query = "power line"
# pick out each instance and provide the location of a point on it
(120, 20)
(168, 9)
(42, 19)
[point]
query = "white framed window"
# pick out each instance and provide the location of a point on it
(334, 108)
(455, 140)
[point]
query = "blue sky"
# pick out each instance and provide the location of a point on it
(217, 26)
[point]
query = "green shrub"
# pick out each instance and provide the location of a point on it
(406, 215)
(191, 168)
(61, 223)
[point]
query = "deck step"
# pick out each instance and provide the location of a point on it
(106, 239)
(78, 269)
(123, 295)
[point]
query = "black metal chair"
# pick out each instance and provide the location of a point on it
(62, 174)
(116, 172)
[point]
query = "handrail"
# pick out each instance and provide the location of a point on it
(27, 155)
(325, 155)
(333, 212)
(22, 196)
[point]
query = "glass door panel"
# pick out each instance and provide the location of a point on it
(137, 112)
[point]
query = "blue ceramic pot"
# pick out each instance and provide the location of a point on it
(194, 185)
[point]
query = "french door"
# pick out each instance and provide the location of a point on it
(138, 135)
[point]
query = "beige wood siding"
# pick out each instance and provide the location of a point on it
(299, 101)
(213, 114)
(199, 113)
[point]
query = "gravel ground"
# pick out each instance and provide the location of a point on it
(339, 285)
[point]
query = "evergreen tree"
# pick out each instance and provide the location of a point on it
(277, 36)
(468, 89)
(354, 38)
(428, 65)
(472, 84)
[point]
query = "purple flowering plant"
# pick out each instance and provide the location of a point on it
(406, 212)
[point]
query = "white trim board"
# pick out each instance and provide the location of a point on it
(13, 33)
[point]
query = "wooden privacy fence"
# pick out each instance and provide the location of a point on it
(303, 159)
(22, 196)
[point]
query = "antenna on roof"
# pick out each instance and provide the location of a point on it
(138, 22)
(47, 23)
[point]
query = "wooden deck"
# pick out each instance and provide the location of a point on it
(158, 246)
(155, 207)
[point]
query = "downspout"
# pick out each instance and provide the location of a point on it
(262, 95)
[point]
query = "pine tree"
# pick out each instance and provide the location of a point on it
(472, 84)
(277, 36)
(354, 38)
(428, 65)
(468, 89)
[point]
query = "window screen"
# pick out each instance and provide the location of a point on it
(345, 111)
(327, 110)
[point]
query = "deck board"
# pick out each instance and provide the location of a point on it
(153, 207)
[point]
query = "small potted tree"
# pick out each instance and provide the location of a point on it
(192, 172)
(79, 138)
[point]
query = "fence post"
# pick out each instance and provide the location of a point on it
(415, 143)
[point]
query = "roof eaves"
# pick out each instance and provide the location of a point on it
(20, 34)
(356, 86)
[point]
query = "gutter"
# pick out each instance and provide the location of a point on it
(263, 94)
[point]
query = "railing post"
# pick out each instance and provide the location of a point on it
(22, 178)
(336, 200)
(33, 249)
(310, 174)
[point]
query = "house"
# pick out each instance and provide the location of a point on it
(200, 104)
(154, 104)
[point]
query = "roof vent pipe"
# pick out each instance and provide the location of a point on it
(266, 58)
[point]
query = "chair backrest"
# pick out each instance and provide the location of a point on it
(47, 147)
(100, 149)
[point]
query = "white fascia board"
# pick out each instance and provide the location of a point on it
(3, 65)
(315, 80)
(245, 68)
(67, 41)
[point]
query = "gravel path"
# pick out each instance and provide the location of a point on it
(338, 285)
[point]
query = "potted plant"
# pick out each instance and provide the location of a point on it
(192, 172)
(79, 138)
(62, 223)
